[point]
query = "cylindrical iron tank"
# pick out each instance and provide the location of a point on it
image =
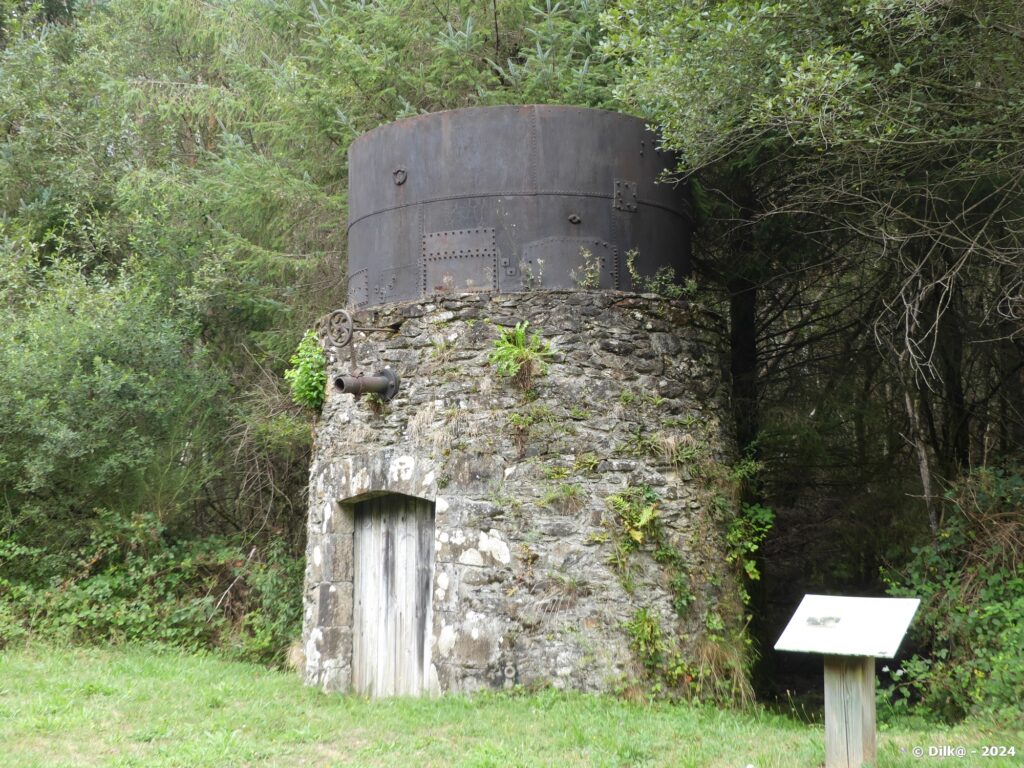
(504, 199)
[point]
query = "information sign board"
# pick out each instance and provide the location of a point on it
(849, 626)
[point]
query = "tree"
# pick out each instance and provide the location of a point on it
(105, 401)
(886, 137)
(176, 172)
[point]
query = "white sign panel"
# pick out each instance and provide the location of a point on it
(849, 626)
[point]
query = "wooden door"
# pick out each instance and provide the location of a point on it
(393, 555)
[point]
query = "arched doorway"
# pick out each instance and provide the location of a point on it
(393, 558)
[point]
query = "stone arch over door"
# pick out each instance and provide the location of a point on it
(397, 491)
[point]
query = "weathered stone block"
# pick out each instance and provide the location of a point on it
(337, 518)
(336, 643)
(334, 605)
(334, 678)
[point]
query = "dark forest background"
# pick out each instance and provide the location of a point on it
(172, 206)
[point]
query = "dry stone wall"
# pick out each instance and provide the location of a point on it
(539, 576)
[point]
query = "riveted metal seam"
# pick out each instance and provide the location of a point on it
(534, 152)
(546, 192)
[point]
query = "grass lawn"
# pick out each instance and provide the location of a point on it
(140, 707)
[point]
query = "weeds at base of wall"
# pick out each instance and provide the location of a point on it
(713, 666)
(712, 669)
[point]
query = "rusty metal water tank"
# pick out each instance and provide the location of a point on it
(504, 199)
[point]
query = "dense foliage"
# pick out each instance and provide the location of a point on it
(172, 193)
(856, 169)
(859, 167)
(971, 583)
(307, 377)
(172, 198)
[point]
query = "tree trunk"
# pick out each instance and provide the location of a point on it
(922, 449)
(956, 416)
(743, 363)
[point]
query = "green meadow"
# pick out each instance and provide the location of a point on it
(81, 708)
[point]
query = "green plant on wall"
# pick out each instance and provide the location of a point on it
(647, 639)
(307, 377)
(682, 595)
(376, 403)
(711, 665)
(519, 424)
(567, 497)
(664, 662)
(637, 511)
(521, 355)
(588, 275)
(664, 282)
(745, 534)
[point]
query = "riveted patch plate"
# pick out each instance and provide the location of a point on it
(359, 288)
(625, 196)
(385, 287)
(460, 261)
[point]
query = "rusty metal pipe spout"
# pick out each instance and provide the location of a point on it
(383, 383)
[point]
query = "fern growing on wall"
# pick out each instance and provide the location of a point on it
(520, 355)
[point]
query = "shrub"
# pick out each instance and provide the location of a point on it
(106, 402)
(272, 611)
(969, 629)
(308, 375)
(132, 581)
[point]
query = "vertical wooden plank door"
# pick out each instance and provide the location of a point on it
(393, 555)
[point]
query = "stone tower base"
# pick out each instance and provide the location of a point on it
(578, 527)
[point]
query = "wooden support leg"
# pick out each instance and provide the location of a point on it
(849, 711)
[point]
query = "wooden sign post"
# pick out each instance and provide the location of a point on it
(851, 632)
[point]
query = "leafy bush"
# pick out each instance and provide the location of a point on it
(308, 374)
(130, 581)
(271, 614)
(969, 629)
(106, 402)
(159, 244)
